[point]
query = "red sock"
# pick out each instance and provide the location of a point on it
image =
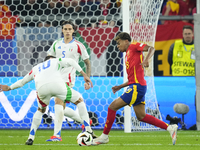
(110, 120)
(154, 121)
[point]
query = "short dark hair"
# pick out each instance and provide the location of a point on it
(71, 23)
(48, 57)
(123, 36)
(188, 27)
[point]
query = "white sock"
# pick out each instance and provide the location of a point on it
(84, 115)
(68, 112)
(59, 113)
(37, 118)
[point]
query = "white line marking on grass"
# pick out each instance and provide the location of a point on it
(134, 144)
(116, 136)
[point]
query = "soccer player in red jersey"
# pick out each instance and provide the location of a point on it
(135, 93)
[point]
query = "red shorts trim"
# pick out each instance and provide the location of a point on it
(43, 104)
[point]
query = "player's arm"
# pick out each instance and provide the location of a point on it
(87, 80)
(88, 72)
(88, 67)
(117, 88)
(150, 53)
(68, 61)
(85, 57)
(17, 84)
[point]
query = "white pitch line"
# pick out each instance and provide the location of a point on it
(117, 136)
(134, 144)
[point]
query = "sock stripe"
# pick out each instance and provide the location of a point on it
(32, 132)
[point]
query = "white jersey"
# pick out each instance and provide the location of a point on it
(49, 81)
(47, 72)
(74, 50)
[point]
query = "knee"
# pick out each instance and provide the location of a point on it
(79, 101)
(140, 117)
(112, 107)
(58, 101)
(42, 110)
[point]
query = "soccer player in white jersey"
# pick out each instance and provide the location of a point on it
(69, 47)
(49, 83)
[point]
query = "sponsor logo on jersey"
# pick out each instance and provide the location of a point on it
(59, 47)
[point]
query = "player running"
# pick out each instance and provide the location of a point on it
(135, 93)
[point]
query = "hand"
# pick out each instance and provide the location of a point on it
(4, 88)
(88, 82)
(115, 89)
(87, 85)
(145, 63)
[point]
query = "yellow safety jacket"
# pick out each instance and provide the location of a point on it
(183, 59)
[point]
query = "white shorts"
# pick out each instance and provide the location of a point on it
(56, 89)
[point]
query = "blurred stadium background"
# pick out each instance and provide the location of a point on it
(28, 28)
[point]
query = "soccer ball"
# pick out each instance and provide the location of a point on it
(84, 139)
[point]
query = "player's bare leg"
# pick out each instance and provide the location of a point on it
(37, 118)
(113, 107)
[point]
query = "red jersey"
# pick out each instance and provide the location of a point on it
(133, 59)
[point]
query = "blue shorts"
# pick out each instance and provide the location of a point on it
(134, 95)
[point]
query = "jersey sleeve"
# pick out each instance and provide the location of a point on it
(84, 53)
(52, 50)
(65, 62)
(140, 46)
(28, 77)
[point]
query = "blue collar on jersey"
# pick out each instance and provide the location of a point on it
(70, 41)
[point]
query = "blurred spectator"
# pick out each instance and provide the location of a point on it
(25, 8)
(7, 21)
(73, 6)
(191, 5)
(89, 6)
(4, 10)
(194, 10)
(55, 7)
(183, 7)
(106, 7)
(170, 9)
(44, 24)
(186, 7)
(118, 2)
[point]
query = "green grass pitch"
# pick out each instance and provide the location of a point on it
(153, 140)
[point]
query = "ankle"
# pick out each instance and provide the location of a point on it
(104, 136)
